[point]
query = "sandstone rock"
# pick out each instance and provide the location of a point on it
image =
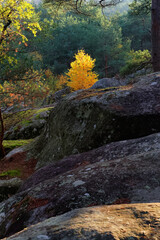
(88, 119)
(128, 222)
(120, 172)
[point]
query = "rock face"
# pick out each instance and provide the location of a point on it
(57, 96)
(107, 82)
(91, 118)
(115, 133)
(120, 172)
(130, 222)
(9, 187)
(25, 124)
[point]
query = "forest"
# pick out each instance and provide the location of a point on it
(37, 51)
(79, 119)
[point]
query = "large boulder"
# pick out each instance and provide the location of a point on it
(9, 187)
(108, 82)
(87, 119)
(120, 172)
(57, 96)
(25, 124)
(130, 222)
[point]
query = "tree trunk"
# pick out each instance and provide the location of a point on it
(106, 66)
(156, 35)
(2, 152)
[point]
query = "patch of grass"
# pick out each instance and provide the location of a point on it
(11, 173)
(22, 117)
(11, 144)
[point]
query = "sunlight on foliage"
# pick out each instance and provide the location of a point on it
(27, 92)
(62, 82)
(15, 17)
(55, 82)
(80, 74)
(135, 61)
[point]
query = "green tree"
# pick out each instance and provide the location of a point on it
(153, 7)
(137, 29)
(67, 33)
(135, 61)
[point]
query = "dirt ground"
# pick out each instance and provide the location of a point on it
(18, 162)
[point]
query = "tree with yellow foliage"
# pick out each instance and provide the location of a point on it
(80, 74)
(15, 17)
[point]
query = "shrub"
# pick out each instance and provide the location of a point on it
(136, 60)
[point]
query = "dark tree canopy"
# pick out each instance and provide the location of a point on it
(78, 4)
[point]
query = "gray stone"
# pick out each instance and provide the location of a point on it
(107, 82)
(129, 173)
(88, 119)
(9, 187)
(29, 129)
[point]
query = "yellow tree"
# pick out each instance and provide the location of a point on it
(16, 16)
(80, 74)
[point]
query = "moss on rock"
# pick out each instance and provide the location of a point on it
(25, 124)
(11, 144)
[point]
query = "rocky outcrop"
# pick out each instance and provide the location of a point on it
(25, 124)
(117, 163)
(9, 187)
(87, 119)
(121, 172)
(57, 96)
(129, 222)
(108, 82)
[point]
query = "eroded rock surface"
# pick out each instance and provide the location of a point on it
(107, 82)
(124, 172)
(105, 171)
(25, 124)
(91, 118)
(128, 222)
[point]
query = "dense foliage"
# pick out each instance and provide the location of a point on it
(15, 17)
(30, 68)
(27, 92)
(67, 33)
(113, 41)
(135, 61)
(140, 7)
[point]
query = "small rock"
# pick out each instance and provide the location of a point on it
(87, 195)
(43, 237)
(78, 183)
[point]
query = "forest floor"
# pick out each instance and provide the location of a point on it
(17, 165)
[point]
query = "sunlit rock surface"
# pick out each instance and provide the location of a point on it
(129, 222)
